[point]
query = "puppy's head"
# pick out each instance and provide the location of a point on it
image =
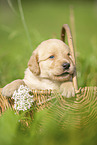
(52, 60)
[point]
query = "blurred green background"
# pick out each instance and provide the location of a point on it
(44, 20)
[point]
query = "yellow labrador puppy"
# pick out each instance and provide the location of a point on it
(50, 67)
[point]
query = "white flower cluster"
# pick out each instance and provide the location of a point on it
(22, 99)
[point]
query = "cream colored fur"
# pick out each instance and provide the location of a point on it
(34, 82)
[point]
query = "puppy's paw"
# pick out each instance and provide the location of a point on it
(67, 89)
(9, 89)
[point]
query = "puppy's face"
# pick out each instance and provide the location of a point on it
(52, 60)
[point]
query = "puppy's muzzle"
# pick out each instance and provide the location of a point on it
(66, 66)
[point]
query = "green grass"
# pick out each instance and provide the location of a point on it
(44, 20)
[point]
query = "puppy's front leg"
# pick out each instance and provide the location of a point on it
(9, 89)
(67, 89)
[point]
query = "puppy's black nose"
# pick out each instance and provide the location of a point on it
(66, 65)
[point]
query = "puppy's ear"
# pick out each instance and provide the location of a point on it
(33, 64)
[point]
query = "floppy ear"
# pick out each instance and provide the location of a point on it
(33, 64)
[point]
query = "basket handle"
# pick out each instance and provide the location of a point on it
(66, 30)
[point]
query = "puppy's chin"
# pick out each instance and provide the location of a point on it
(62, 77)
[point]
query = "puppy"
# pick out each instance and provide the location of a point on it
(50, 67)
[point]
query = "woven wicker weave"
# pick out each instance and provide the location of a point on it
(43, 99)
(4, 104)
